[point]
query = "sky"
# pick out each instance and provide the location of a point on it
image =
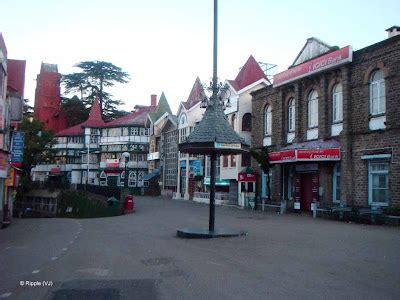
(165, 44)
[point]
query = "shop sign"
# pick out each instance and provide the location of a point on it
(17, 146)
(282, 156)
(247, 177)
(218, 182)
(182, 163)
(56, 170)
(318, 154)
(319, 64)
(227, 146)
(112, 163)
(195, 167)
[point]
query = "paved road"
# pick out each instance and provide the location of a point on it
(138, 257)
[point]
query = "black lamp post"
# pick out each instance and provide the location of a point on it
(213, 136)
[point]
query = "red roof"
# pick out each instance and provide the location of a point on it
(16, 75)
(94, 120)
(137, 117)
(196, 94)
(248, 74)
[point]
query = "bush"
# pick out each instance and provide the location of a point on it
(83, 206)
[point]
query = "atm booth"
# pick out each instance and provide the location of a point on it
(247, 189)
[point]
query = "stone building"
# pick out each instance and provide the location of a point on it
(332, 122)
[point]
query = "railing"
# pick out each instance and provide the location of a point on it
(220, 198)
(176, 195)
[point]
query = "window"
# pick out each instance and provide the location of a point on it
(337, 103)
(246, 160)
(291, 115)
(132, 179)
(233, 161)
(183, 120)
(225, 161)
(336, 183)
(377, 93)
(134, 131)
(313, 109)
(233, 121)
(246, 122)
(378, 183)
(267, 120)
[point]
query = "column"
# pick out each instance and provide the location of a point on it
(178, 183)
(186, 196)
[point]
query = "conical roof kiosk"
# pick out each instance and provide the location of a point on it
(213, 136)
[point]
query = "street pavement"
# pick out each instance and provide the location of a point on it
(138, 256)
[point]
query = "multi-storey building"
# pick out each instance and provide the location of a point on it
(190, 167)
(239, 114)
(332, 121)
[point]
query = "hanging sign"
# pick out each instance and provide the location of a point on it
(247, 177)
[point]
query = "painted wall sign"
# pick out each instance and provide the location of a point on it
(247, 177)
(319, 64)
(17, 146)
(330, 154)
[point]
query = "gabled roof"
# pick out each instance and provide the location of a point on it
(162, 108)
(138, 117)
(94, 120)
(16, 76)
(196, 95)
(250, 73)
(313, 47)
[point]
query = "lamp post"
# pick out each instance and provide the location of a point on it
(125, 155)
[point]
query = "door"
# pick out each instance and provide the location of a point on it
(112, 180)
(306, 191)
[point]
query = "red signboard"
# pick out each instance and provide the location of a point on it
(282, 156)
(318, 154)
(304, 155)
(324, 62)
(248, 177)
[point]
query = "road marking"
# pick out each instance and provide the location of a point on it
(5, 295)
(64, 249)
(54, 258)
(35, 271)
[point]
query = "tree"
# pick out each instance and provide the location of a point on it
(75, 110)
(261, 156)
(37, 148)
(91, 82)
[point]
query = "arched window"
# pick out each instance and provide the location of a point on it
(268, 120)
(246, 122)
(291, 115)
(233, 121)
(183, 120)
(313, 109)
(337, 103)
(377, 93)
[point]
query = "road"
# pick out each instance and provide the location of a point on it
(138, 256)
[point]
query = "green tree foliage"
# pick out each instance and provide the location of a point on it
(75, 110)
(37, 148)
(261, 156)
(91, 81)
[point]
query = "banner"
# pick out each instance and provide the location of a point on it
(17, 146)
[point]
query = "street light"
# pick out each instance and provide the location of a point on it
(125, 155)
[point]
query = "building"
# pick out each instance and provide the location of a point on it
(240, 114)
(47, 107)
(189, 114)
(332, 122)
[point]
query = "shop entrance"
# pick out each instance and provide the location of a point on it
(306, 189)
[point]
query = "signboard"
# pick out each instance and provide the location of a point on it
(227, 146)
(17, 146)
(195, 167)
(112, 163)
(330, 154)
(318, 154)
(282, 156)
(247, 177)
(319, 64)
(219, 182)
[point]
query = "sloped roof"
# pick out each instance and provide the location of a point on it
(248, 74)
(137, 117)
(16, 75)
(162, 108)
(313, 48)
(196, 94)
(94, 120)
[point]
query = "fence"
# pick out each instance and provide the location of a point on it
(220, 198)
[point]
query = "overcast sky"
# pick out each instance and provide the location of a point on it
(165, 44)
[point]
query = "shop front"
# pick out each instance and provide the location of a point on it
(308, 175)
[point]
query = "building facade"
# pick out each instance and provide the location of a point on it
(332, 124)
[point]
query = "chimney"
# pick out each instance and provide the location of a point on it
(154, 100)
(393, 31)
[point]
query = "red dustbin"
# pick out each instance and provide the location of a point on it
(129, 204)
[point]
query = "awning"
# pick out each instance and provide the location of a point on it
(307, 152)
(149, 176)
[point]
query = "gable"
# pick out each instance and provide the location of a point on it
(313, 48)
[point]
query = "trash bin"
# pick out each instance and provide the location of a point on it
(113, 202)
